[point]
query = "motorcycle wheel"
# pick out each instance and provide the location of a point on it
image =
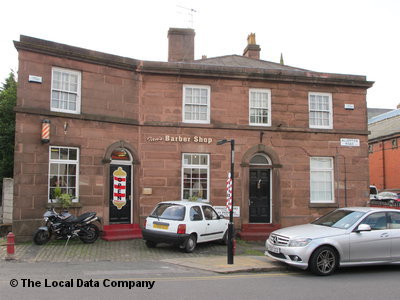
(41, 237)
(91, 233)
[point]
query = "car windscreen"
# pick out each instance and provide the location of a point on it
(342, 219)
(169, 211)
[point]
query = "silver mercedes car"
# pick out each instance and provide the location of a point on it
(349, 236)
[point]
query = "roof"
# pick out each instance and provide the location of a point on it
(369, 208)
(230, 66)
(243, 61)
(373, 112)
(184, 202)
(383, 116)
(385, 128)
(385, 125)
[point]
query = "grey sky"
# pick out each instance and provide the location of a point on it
(341, 36)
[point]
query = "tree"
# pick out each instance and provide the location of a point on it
(8, 99)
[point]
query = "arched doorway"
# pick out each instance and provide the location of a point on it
(120, 192)
(260, 189)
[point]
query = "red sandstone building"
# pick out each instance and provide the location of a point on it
(384, 152)
(301, 136)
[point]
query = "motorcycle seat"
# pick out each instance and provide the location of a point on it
(81, 217)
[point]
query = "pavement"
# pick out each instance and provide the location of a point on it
(249, 256)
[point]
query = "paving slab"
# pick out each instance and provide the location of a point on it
(219, 264)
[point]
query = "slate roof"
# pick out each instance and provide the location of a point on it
(373, 112)
(385, 125)
(245, 62)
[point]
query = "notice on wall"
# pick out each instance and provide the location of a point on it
(350, 142)
(222, 210)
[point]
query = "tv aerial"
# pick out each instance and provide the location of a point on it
(190, 13)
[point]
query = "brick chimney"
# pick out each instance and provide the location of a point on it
(180, 45)
(252, 50)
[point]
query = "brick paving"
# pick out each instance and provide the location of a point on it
(119, 251)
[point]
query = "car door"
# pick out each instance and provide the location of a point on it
(394, 227)
(214, 225)
(371, 245)
(197, 223)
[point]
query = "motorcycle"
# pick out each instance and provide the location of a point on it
(64, 226)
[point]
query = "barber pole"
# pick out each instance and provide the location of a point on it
(229, 193)
(119, 195)
(45, 131)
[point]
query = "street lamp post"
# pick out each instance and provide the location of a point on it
(230, 225)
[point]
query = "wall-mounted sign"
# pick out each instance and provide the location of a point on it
(222, 210)
(349, 106)
(350, 142)
(33, 78)
(180, 139)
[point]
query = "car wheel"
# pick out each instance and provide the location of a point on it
(151, 244)
(190, 244)
(323, 261)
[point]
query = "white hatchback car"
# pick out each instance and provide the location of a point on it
(184, 223)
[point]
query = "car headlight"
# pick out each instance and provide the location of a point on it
(299, 242)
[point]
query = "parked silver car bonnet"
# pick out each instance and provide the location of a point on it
(309, 231)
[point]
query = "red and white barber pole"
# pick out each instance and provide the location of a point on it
(229, 193)
(45, 137)
(119, 195)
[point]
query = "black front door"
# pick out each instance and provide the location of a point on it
(120, 194)
(260, 192)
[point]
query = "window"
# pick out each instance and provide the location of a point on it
(321, 180)
(63, 171)
(66, 91)
(209, 213)
(260, 107)
(195, 176)
(195, 214)
(260, 160)
(377, 221)
(394, 220)
(169, 212)
(196, 104)
(320, 108)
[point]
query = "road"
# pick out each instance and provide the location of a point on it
(157, 280)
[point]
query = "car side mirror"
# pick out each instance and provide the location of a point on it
(221, 217)
(363, 227)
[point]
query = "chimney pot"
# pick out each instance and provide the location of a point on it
(252, 50)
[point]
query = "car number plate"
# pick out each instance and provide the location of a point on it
(274, 249)
(160, 226)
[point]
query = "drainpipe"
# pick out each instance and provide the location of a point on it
(383, 165)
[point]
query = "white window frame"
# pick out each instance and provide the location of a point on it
(66, 91)
(320, 170)
(268, 107)
(329, 111)
(184, 104)
(64, 161)
(196, 166)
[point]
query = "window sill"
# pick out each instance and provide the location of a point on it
(57, 205)
(323, 205)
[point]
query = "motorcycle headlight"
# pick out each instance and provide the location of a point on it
(46, 219)
(299, 242)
